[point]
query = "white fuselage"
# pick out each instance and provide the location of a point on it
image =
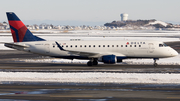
(127, 49)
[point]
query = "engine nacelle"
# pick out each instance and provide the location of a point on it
(109, 59)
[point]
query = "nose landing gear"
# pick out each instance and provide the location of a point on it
(155, 64)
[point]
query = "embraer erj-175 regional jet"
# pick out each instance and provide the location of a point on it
(109, 52)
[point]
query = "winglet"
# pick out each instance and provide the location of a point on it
(59, 46)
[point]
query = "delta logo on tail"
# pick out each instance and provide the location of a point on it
(19, 31)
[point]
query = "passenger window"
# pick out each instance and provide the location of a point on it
(94, 46)
(134, 45)
(117, 46)
(112, 45)
(80, 45)
(76, 46)
(71, 45)
(108, 46)
(89, 45)
(84, 45)
(139, 45)
(62, 46)
(66, 45)
(99, 45)
(121, 45)
(126, 45)
(130, 45)
(103, 45)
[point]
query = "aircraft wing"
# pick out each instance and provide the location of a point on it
(88, 54)
(93, 54)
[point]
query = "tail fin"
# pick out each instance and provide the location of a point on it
(19, 31)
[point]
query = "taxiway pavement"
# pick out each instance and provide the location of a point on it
(77, 91)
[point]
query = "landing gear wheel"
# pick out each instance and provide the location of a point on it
(90, 63)
(95, 62)
(155, 64)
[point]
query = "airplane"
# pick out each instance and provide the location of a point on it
(108, 52)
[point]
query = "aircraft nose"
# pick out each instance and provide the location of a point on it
(174, 53)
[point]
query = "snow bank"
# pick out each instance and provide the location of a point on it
(92, 77)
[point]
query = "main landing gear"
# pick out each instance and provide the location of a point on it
(92, 62)
(155, 64)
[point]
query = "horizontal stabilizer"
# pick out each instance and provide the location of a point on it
(15, 46)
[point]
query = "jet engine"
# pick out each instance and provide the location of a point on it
(109, 59)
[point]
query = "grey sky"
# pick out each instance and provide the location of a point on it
(90, 12)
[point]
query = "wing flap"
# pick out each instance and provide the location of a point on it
(87, 54)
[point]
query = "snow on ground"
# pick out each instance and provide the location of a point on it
(92, 77)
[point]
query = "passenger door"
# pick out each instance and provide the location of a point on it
(46, 46)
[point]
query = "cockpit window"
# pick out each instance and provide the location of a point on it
(165, 45)
(160, 45)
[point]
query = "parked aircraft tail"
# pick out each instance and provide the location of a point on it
(19, 31)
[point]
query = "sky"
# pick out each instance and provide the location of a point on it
(89, 12)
